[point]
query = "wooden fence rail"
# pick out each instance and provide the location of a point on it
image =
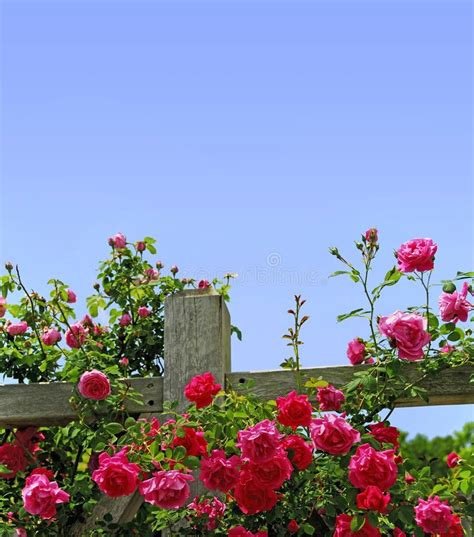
(197, 339)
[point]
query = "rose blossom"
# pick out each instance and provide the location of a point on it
(13, 457)
(76, 335)
(116, 476)
(370, 467)
(371, 235)
(17, 329)
(140, 246)
(218, 472)
(51, 337)
(151, 273)
(124, 361)
(373, 499)
(94, 385)
(455, 529)
(408, 330)
(143, 311)
(294, 410)
(329, 398)
(453, 459)
(447, 348)
(20, 532)
(417, 254)
(240, 531)
(251, 497)
(125, 320)
(454, 307)
(193, 441)
(204, 284)
(166, 489)
(343, 528)
(273, 473)
(299, 451)
(201, 389)
(118, 241)
(409, 479)
(259, 443)
(397, 532)
(40, 496)
(293, 526)
(3, 306)
(29, 438)
(214, 509)
(71, 296)
(356, 351)
(385, 434)
(333, 434)
(433, 515)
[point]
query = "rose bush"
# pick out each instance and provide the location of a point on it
(319, 460)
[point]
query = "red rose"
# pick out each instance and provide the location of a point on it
(455, 530)
(115, 475)
(329, 398)
(273, 473)
(166, 489)
(13, 457)
(299, 451)
(333, 434)
(385, 434)
(453, 459)
(293, 526)
(294, 410)
(371, 467)
(218, 472)
(29, 438)
(240, 531)
(397, 532)
(193, 441)
(373, 499)
(201, 389)
(343, 528)
(251, 497)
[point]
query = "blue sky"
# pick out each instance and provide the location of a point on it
(246, 137)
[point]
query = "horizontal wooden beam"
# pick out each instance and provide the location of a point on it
(48, 404)
(45, 404)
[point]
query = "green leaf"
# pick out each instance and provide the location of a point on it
(236, 331)
(114, 428)
(353, 313)
(357, 523)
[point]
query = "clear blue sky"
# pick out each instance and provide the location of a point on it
(246, 136)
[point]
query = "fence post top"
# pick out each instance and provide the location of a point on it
(194, 293)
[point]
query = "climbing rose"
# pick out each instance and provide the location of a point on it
(408, 330)
(143, 311)
(214, 510)
(17, 329)
(385, 434)
(94, 385)
(3, 307)
(40, 496)
(333, 434)
(76, 335)
(371, 235)
(343, 528)
(294, 410)
(355, 351)
(417, 254)
(125, 320)
(373, 499)
(71, 296)
(14, 458)
(453, 459)
(20, 532)
(251, 497)
(51, 337)
(29, 438)
(397, 532)
(193, 441)
(455, 529)
(329, 398)
(454, 307)
(166, 489)
(218, 472)
(240, 531)
(433, 515)
(299, 451)
(140, 246)
(259, 443)
(201, 389)
(293, 526)
(116, 476)
(272, 473)
(447, 348)
(118, 241)
(371, 467)
(204, 284)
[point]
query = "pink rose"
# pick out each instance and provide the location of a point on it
(76, 335)
(116, 476)
(373, 499)
(166, 489)
(329, 398)
(20, 532)
(271, 474)
(408, 331)
(299, 451)
(118, 241)
(151, 273)
(40, 496)
(14, 458)
(204, 284)
(17, 329)
(371, 236)
(343, 528)
(356, 351)
(385, 434)
(71, 296)
(125, 320)
(3, 306)
(51, 337)
(213, 509)
(140, 246)
(251, 497)
(123, 361)
(29, 438)
(240, 531)
(454, 307)
(174, 270)
(371, 467)
(453, 459)
(143, 311)
(433, 515)
(333, 434)
(218, 472)
(294, 410)
(447, 348)
(201, 389)
(397, 532)
(417, 254)
(94, 385)
(259, 443)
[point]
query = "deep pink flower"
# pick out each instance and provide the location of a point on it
(118, 241)
(125, 319)
(240, 531)
(273, 473)
(293, 526)
(29, 438)
(251, 497)
(213, 508)
(299, 451)
(397, 532)
(371, 467)
(447, 348)
(408, 332)
(76, 335)
(124, 361)
(143, 311)
(333, 434)
(356, 351)
(116, 476)
(204, 284)
(294, 410)
(17, 329)
(453, 459)
(454, 307)
(71, 296)
(343, 528)
(40, 496)
(433, 515)
(151, 273)
(51, 336)
(218, 472)
(94, 385)
(140, 246)
(201, 389)
(417, 254)
(329, 398)
(174, 270)
(3, 306)
(371, 235)
(193, 441)
(259, 443)
(166, 489)
(14, 458)
(385, 434)
(373, 499)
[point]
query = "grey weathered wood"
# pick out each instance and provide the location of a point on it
(46, 404)
(449, 387)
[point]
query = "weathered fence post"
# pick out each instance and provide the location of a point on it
(197, 339)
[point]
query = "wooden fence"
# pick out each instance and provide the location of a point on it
(197, 339)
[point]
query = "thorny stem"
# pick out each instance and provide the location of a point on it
(371, 301)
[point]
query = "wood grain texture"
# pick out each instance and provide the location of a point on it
(45, 404)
